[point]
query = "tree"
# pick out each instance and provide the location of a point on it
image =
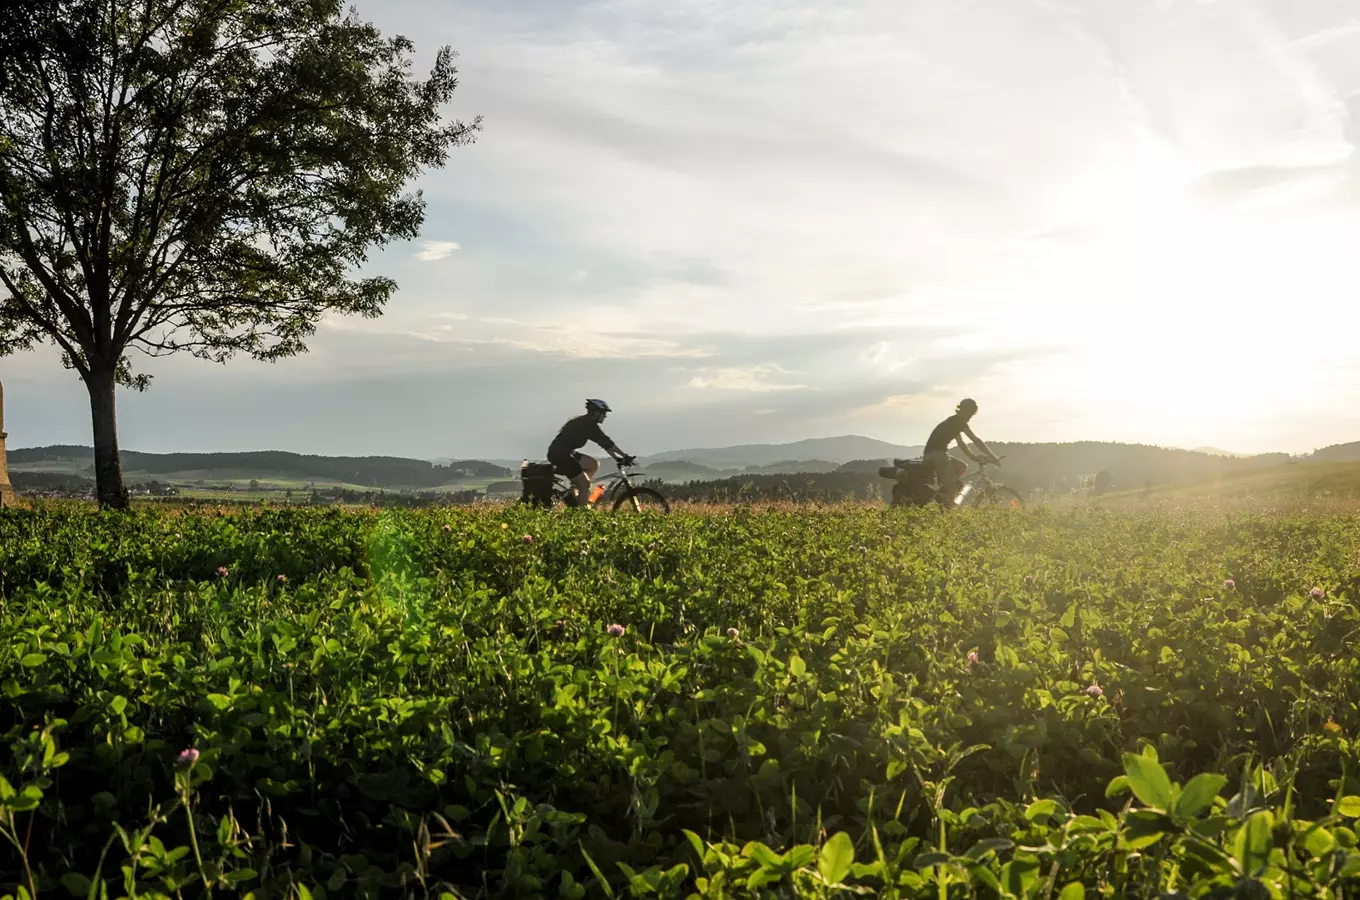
(21, 22)
(202, 176)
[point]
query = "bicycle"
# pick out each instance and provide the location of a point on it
(980, 489)
(917, 485)
(620, 492)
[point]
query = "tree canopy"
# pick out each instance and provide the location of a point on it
(202, 176)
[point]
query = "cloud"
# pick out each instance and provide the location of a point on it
(755, 378)
(692, 208)
(1231, 186)
(1325, 36)
(436, 250)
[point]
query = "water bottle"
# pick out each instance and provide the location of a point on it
(963, 494)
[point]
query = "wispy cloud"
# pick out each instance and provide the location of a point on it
(1326, 36)
(436, 250)
(757, 379)
(707, 211)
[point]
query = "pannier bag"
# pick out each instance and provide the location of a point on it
(537, 481)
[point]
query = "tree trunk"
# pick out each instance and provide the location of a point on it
(108, 464)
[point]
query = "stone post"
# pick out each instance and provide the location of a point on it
(7, 496)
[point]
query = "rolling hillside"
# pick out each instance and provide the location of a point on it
(1052, 467)
(1290, 481)
(272, 467)
(832, 449)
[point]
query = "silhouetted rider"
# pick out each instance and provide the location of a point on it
(937, 446)
(565, 451)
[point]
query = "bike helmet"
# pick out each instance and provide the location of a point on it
(597, 406)
(966, 405)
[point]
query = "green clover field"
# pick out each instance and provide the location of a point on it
(719, 703)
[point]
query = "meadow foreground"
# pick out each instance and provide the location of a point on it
(734, 703)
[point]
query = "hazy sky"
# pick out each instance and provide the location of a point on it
(772, 219)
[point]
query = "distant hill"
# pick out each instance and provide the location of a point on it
(1299, 481)
(1057, 467)
(1214, 451)
(368, 471)
(1052, 466)
(793, 467)
(510, 465)
(1338, 453)
(865, 466)
(836, 450)
(679, 470)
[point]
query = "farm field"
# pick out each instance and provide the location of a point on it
(1293, 484)
(726, 702)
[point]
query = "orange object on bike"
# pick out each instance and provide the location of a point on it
(597, 493)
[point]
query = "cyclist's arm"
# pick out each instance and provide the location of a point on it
(964, 447)
(608, 444)
(977, 440)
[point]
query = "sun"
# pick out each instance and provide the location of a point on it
(1187, 320)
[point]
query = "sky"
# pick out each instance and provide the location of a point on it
(1132, 220)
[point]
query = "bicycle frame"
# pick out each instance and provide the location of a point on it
(980, 478)
(617, 481)
(972, 482)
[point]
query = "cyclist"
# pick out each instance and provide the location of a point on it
(565, 451)
(937, 447)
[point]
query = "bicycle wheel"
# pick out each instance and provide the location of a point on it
(997, 496)
(641, 499)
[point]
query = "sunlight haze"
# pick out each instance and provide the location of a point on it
(765, 221)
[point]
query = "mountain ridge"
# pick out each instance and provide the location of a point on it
(808, 455)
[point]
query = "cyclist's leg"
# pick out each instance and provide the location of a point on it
(570, 467)
(948, 479)
(589, 466)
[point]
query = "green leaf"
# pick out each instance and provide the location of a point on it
(219, 701)
(241, 875)
(838, 855)
(1019, 875)
(801, 855)
(1197, 797)
(929, 858)
(1118, 785)
(696, 843)
(1349, 806)
(1252, 847)
(768, 858)
(30, 797)
(1319, 842)
(599, 876)
(798, 667)
(1149, 782)
(77, 884)
(33, 660)
(1041, 809)
(1073, 891)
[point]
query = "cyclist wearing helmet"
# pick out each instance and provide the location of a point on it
(937, 446)
(565, 451)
